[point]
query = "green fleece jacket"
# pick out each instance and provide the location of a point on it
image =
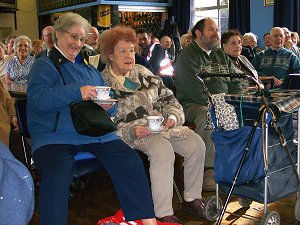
(193, 60)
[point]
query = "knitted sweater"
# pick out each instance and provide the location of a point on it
(149, 97)
(193, 60)
(280, 65)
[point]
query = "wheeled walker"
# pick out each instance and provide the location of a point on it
(279, 155)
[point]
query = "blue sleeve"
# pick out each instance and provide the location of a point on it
(46, 91)
(113, 110)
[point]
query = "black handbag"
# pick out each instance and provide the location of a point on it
(88, 117)
(91, 119)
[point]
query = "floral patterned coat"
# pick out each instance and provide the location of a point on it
(150, 97)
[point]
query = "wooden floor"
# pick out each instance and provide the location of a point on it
(99, 200)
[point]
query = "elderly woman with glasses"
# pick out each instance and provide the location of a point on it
(19, 67)
(231, 42)
(55, 141)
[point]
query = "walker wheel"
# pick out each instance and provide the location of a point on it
(297, 210)
(210, 211)
(244, 202)
(271, 218)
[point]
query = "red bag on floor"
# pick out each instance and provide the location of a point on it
(120, 219)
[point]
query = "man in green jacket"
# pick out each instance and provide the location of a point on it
(203, 55)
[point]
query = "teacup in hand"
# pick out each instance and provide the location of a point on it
(155, 122)
(102, 92)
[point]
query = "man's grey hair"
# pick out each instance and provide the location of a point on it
(247, 35)
(276, 28)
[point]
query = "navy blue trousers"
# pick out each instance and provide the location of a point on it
(57, 167)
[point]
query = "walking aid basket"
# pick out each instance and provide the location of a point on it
(267, 152)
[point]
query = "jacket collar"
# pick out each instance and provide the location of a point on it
(59, 59)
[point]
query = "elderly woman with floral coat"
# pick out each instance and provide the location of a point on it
(141, 94)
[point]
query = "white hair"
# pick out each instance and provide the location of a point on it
(19, 38)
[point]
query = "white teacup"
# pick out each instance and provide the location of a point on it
(102, 92)
(155, 122)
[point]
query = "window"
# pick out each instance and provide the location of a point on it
(215, 9)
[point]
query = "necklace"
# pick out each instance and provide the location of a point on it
(237, 63)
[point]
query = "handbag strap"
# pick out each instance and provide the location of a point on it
(63, 80)
(59, 71)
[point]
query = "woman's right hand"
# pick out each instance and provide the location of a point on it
(88, 92)
(140, 131)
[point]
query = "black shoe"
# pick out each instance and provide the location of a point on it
(169, 219)
(194, 207)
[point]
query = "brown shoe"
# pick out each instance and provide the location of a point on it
(209, 183)
(194, 207)
(169, 219)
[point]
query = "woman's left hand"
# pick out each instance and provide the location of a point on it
(169, 123)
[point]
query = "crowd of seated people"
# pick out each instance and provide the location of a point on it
(133, 66)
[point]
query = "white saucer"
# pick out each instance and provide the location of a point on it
(107, 101)
(162, 128)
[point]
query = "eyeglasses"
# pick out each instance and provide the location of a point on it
(75, 37)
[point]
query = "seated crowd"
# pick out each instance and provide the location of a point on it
(148, 78)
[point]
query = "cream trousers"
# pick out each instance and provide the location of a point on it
(161, 154)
